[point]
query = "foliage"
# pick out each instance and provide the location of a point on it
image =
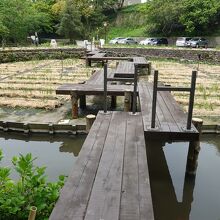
(200, 15)
(70, 24)
(192, 17)
(16, 198)
(162, 17)
(18, 18)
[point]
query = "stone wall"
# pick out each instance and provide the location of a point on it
(39, 54)
(207, 55)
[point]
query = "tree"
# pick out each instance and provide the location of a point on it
(20, 17)
(70, 24)
(199, 16)
(163, 17)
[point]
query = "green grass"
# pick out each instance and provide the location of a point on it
(125, 32)
(133, 8)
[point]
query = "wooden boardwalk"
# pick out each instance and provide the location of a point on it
(110, 179)
(170, 118)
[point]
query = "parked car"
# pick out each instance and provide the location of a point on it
(147, 41)
(159, 41)
(182, 41)
(197, 42)
(127, 41)
(115, 40)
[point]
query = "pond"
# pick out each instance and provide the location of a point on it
(176, 196)
(57, 153)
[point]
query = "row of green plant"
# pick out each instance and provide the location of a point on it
(31, 189)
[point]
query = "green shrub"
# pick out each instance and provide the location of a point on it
(31, 189)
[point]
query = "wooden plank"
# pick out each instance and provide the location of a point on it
(130, 193)
(125, 70)
(146, 105)
(98, 77)
(136, 201)
(140, 61)
(104, 202)
(180, 118)
(89, 89)
(76, 191)
(145, 200)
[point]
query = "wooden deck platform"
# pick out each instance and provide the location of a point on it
(170, 118)
(91, 89)
(94, 86)
(124, 69)
(110, 179)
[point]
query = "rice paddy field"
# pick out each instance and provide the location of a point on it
(33, 84)
(207, 98)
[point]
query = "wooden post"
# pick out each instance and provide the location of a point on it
(87, 61)
(149, 68)
(127, 101)
(194, 148)
(89, 121)
(32, 213)
(113, 101)
(82, 101)
(74, 99)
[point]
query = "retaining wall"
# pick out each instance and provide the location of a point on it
(49, 128)
(39, 54)
(207, 55)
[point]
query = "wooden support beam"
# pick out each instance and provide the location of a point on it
(74, 100)
(89, 122)
(82, 101)
(194, 148)
(113, 101)
(149, 68)
(127, 101)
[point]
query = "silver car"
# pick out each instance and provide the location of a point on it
(127, 40)
(116, 40)
(198, 42)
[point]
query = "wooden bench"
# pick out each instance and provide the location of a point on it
(110, 179)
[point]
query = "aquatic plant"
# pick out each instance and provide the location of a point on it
(31, 189)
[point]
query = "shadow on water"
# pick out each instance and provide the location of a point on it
(167, 163)
(57, 152)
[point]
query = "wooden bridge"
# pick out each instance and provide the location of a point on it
(110, 179)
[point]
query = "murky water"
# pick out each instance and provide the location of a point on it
(57, 153)
(179, 197)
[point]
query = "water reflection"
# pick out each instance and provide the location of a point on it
(58, 153)
(199, 196)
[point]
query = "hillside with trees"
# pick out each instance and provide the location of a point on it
(83, 19)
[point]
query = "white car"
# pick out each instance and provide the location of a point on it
(147, 41)
(116, 40)
(182, 41)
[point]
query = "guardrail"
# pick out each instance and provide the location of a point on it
(134, 80)
(191, 90)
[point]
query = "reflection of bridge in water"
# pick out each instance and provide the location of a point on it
(166, 205)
